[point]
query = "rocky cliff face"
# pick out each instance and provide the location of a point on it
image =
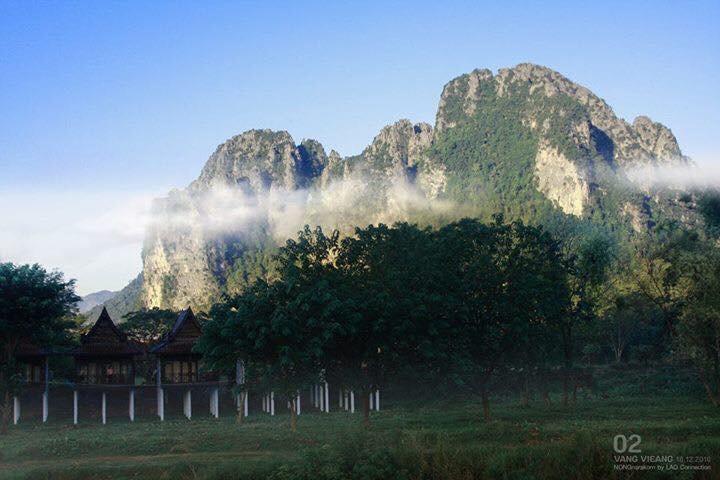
(525, 141)
(581, 150)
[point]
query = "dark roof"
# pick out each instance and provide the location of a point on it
(105, 338)
(181, 339)
(28, 349)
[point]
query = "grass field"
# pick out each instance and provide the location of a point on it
(412, 439)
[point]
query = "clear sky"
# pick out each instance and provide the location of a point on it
(109, 103)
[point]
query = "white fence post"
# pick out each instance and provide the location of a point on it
(45, 406)
(16, 410)
(75, 407)
(104, 409)
(131, 407)
(327, 397)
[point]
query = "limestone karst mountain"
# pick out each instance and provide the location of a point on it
(526, 141)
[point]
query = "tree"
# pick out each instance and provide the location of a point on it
(280, 329)
(698, 328)
(35, 306)
(660, 261)
(147, 326)
(507, 284)
(395, 303)
(587, 256)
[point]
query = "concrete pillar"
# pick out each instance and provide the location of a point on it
(131, 407)
(327, 397)
(272, 403)
(46, 394)
(44, 406)
(352, 401)
(214, 403)
(187, 404)
(104, 409)
(75, 407)
(160, 393)
(16, 410)
(377, 400)
(161, 403)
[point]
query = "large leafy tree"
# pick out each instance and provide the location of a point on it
(698, 329)
(587, 256)
(35, 308)
(396, 313)
(280, 329)
(505, 288)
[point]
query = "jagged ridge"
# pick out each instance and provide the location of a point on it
(526, 141)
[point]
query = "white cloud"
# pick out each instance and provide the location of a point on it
(704, 173)
(95, 237)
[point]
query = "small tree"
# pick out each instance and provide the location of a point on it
(35, 306)
(587, 259)
(698, 328)
(147, 326)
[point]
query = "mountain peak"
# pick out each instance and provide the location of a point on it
(533, 88)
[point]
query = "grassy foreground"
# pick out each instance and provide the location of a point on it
(444, 440)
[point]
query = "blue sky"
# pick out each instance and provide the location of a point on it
(130, 98)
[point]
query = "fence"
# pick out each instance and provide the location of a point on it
(81, 403)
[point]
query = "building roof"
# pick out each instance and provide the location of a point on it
(28, 349)
(106, 339)
(181, 339)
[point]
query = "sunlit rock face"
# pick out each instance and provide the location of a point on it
(525, 141)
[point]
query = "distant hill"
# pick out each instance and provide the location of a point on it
(94, 299)
(119, 303)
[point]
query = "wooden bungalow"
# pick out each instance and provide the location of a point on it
(33, 361)
(105, 358)
(35, 372)
(179, 367)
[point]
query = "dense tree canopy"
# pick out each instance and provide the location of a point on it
(35, 309)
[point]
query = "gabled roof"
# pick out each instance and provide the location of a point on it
(181, 339)
(105, 338)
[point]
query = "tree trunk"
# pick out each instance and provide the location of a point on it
(526, 388)
(485, 405)
(567, 350)
(293, 415)
(6, 409)
(712, 396)
(546, 397)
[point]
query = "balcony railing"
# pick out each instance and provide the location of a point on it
(112, 379)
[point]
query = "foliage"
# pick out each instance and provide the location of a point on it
(148, 326)
(35, 309)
